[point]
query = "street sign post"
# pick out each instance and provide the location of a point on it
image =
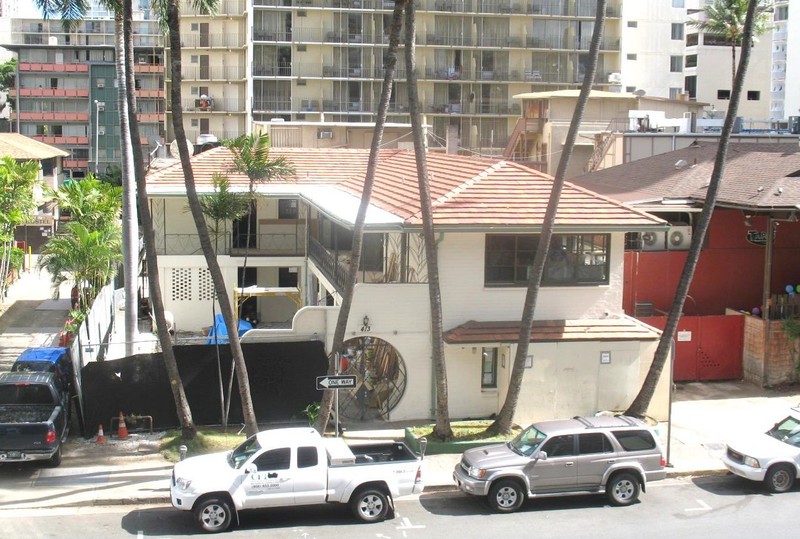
(339, 381)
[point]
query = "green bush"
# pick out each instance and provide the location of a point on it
(17, 258)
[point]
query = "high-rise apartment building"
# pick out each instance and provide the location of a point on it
(322, 60)
(708, 71)
(66, 91)
(785, 91)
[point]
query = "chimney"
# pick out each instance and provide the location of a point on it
(452, 139)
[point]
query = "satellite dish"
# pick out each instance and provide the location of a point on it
(175, 152)
(639, 92)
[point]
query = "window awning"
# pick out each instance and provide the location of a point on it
(606, 329)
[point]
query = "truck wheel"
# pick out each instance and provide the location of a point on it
(623, 489)
(370, 505)
(213, 515)
(55, 460)
(780, 478)
(506, 496)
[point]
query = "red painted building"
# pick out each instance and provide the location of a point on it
(750, 256)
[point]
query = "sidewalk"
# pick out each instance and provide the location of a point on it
(29, 316)
(133, 472)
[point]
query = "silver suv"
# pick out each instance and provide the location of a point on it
(615, 455)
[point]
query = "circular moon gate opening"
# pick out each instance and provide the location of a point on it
(380, 379)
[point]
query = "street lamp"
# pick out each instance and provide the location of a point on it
(96, 134)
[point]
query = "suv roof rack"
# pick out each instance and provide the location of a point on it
(589, 424)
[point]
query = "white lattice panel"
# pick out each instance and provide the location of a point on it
(181, 284)
(205, 285)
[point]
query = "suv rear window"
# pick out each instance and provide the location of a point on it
(635, 440)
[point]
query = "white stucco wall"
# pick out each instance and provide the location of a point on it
(464, 296)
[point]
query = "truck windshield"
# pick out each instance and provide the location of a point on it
(787, 431)
(242, 454)
(527, 441)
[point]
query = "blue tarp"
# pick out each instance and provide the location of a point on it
(220, 330)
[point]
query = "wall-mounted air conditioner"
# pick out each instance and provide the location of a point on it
(101, 84)
(324, 134)
(101, 130)
(679, 237)
(654, 240)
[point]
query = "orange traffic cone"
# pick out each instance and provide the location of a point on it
(122, 433)
(101, 438)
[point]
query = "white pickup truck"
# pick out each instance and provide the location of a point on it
(295, 466)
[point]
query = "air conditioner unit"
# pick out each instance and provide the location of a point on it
(679, 237)
(101, 84)
(615, 78)
(101, 130)
(324, 134)
(655, 240)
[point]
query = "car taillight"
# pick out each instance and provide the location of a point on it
(51, 436)
(663, 462)
(418, 479)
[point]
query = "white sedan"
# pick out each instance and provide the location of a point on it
(772, 457)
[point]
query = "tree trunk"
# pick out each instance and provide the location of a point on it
(130, 228)
(188, 430)
(504, 420)
(638, 407)
(442, 427)
(358, 228)
(251, 426)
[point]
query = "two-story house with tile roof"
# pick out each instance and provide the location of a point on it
(585, 354)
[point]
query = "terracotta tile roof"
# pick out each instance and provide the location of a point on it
(607, 329)
(25, 148)
(758, 176)
(465, 191)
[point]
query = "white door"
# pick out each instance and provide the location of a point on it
(310, 476)
(271, 484)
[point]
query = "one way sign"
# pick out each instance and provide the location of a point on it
(343, 381)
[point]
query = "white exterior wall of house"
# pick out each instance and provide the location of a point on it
(564, 379)
(399, 314)
(464, 296)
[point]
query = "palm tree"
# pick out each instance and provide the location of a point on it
(89, 201)
(173, 23)
(366, 194)
(503, 422)
(219, 208)
(71, 12)
(89, 257)
(130, 222)
(184, 412)
(251, 158)
(726, 18)
(442, 427)
(17, 180)
(640, 404)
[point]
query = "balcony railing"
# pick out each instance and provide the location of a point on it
(225, 41)
(221, 73)
(224, 7)
(263, 245)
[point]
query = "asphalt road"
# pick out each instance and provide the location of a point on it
(712, 507)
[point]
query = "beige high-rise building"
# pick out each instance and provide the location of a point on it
(322, 60)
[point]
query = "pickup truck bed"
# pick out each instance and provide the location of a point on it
(34, 417)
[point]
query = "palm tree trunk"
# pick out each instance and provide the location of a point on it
(358, 228)
(442, 427)
(248, 412)
(503, 422)
(640, 404)
(188, 430)
(130, 228)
